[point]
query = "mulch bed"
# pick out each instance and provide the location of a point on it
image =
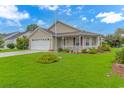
(118, 69)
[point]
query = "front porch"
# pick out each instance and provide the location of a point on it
(77, 43)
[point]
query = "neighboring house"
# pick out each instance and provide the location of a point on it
(11, 37)
(120, 31)
(61, 35)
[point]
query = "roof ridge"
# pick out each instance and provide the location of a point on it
(80, 30)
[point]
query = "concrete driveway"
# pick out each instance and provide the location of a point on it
(6, 54)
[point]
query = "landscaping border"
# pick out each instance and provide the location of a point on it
(118, 69)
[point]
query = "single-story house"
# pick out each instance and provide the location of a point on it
(120, 32)
(11, 37)
(61, 35)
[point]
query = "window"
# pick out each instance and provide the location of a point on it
(74, 41)
(64, 41)
(81, 41)
(77, 41)
(87, 41)
(40, 39)
(94, 41)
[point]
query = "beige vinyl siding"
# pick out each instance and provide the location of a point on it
(60, 28)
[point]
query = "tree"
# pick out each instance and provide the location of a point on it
(22, 43)
(31, 27)
(1, 42)
(114, 40)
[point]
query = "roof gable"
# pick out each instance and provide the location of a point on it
(41, 30)
(61, 27)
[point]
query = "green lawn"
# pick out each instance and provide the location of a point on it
(9, 50)
(74, 70)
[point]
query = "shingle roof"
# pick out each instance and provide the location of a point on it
(120, 31)
(8, 34)
(79, 31)
(14, 35)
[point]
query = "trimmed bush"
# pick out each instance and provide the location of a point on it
(11, 46)
(84, 51)
(100, 50)
(60, 49)
(119, 58)
(48, 58)
(104, 47)
(1, 42)
(92, 51)
(66, 50)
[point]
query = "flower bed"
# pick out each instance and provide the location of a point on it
(118, 69)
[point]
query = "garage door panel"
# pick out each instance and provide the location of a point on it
(40, 45)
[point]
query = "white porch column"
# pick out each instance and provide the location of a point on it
(79, 43)
(84, 43)
(90, 41)
(98, 41)
(55, 43)
(51, 43)
(63, 42)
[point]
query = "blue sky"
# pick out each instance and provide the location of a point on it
(101, 19)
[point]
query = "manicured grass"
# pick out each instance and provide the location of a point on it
(74, 70)
(9, 50)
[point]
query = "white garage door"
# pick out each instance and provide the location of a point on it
(40, 44)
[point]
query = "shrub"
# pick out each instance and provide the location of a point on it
(119, 58)
(11, 46)
(60, 49)
(1, 42)
(22, 43)
(48, 58)
(66, 50)
(51, 49)
(103, 47)
(84, 51)
(92, 51)
(99, 49)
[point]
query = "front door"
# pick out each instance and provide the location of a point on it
(77, 41)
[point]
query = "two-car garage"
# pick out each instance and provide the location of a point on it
(40, 44)
(40, 40)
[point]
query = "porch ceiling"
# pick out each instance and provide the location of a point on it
(74, 34)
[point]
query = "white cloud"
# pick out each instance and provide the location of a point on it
(49, 7)
(12, 23)
(122, 9)
(41, 22)
(92, 20)
(12, 13)
(0, 22)
(75, 25)
(80, 7)
(110, 17)
(68, 12)
(83, 18)
(68, 6)
(21, 29)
